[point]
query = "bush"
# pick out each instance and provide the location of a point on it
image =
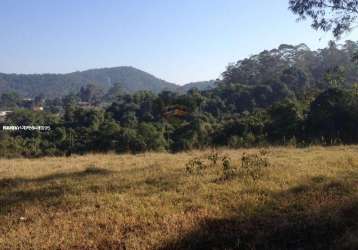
(214, 157)
(195, 166)
(228, 170)
(253, 164)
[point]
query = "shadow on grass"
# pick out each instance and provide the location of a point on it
(52, 187)
(142, 188)
(49, 190)
(320, 213)
(14, 182)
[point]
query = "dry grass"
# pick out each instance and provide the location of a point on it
(306, 199)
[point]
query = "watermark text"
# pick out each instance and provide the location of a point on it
(26, 128)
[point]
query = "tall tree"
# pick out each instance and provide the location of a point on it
(337, 16)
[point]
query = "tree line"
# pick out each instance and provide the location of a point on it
(289, 95)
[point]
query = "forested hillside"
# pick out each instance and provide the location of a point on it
(59, 85)
(204, 85)
(289, 95)
(297, 66)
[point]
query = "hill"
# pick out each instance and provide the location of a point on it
(304, 199)
(296, 67)
(57, 85)
(204, 85)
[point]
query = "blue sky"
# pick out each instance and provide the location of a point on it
(177, 40)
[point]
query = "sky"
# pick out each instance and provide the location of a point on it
(179, 41)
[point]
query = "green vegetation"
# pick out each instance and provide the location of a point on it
(338, 16)
(59, 85)
(230, 183)
(287, 96)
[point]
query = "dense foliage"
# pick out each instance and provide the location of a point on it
(59, 85)
(290, 95)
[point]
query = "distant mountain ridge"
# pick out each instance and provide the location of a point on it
(203, 85)
(58, 85)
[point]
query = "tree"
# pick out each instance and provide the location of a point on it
(53, 105)
(333, 118)
(337, 16)
(152, 136)
(335, 77)
(286, 121)
(130, 141)
(69, 104)
(294, 77)
(107, 136)
(114, 92)
(9, 100)
(91, 93)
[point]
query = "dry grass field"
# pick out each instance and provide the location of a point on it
(305, 199)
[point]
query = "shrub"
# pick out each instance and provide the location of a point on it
(195, 166)
(253, 164)
(214, 157)
(228, 169)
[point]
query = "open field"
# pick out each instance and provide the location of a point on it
(305, 199)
